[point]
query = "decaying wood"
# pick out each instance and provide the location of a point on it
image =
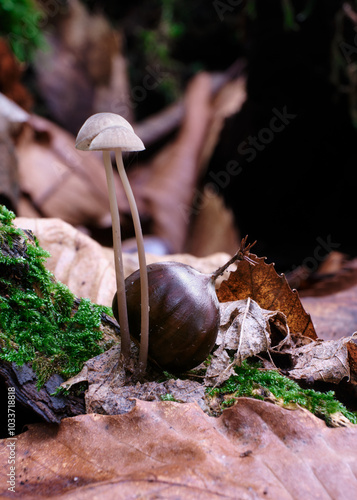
(43, 403)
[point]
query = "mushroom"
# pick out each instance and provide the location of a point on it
(110, 132)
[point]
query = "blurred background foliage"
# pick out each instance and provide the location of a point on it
(182, 37)
(178, 37)
(301, 56)
(20, 24)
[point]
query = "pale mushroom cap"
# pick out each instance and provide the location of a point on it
(108, 131)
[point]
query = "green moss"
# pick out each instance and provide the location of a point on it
(41, 321)
(167, 397)
(252, 381)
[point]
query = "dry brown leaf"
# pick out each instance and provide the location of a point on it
(336, 273)
(110, 393)
(84, 72)
(352, 361)
(167, 450)
(213, 227)
(228, 101)
(271, 291)
(11, 72)
(76, 260)
(165, 188)
(12, 118)
(245, 331)
(325, 361)
(9, 178)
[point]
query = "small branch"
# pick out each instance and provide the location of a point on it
(242, 254)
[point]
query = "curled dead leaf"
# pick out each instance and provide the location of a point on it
(325, 361)
(244, 328)
(245, 331)
(271, 291)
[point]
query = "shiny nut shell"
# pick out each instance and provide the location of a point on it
(184, 314)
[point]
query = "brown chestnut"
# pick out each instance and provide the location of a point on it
(183, 316)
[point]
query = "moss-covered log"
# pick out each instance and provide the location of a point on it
(46, 333)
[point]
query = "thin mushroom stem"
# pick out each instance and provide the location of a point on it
(118, 259)
(144, 286)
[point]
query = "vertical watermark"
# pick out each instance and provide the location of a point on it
(11, 444)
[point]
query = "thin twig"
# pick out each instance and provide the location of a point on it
(242, 254)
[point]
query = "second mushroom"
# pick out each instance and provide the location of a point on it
(108, 132)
